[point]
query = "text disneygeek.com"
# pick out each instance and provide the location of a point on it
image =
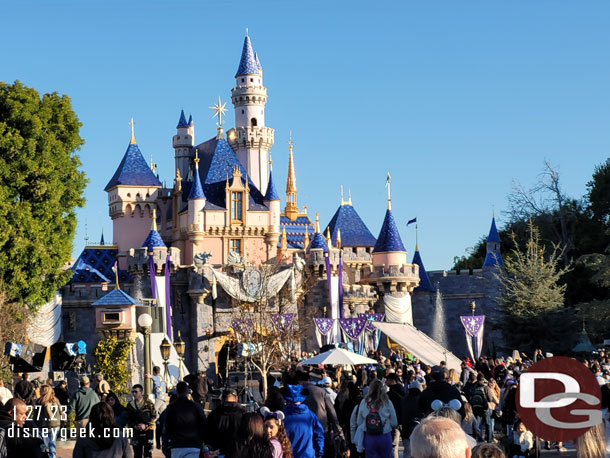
(64, 434)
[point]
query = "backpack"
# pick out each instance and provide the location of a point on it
(373, 422)
(478, 400)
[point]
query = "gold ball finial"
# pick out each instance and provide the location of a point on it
(196, 158)
(133, 137)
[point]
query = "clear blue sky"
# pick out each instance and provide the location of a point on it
(455, 99)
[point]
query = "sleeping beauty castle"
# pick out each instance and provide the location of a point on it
(187, 254)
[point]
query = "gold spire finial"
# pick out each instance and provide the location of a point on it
(387, 185)
(154, 220)
(133, 137)
(196, 158)
(339, 237)
(292, 209)
(153, 166)
(317, 223)
(178, 180)
(306, 241)
(342, 201)
(115, 269)
(284, 241)
(219, 111)
(270, 161)
(416, 238)
(329, 241)
(349, 196)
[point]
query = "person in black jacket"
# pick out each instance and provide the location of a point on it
(410, 415)
(223, 422)
(439, 389)
(395, 392)
(20, 442)
(184, 422)
(24, 389)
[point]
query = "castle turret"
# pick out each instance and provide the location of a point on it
(132, 196)
(493, 257)
(272, 201)
(250, 138)
(183, 143)
(196, 203)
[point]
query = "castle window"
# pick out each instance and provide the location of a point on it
(253, 122)
(242, 80)
(237, 199)
(252, 80)
(235, 246)
(242, 111)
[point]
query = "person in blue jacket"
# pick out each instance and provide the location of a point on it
(302, 427)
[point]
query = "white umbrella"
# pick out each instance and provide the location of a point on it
(337, 357)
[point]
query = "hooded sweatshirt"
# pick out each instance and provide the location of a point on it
(82, 402)
(304, 431)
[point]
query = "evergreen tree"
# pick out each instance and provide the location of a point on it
(532, 299)
(40, 187)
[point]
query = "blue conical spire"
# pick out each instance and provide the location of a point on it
(154, 238)
(182, 121)
(271, 194)
(424, 280)
(196, 189)
(247, 63)
(102, 238)
(493, 232)
(389, 237)
(191, 123)
(258, 62)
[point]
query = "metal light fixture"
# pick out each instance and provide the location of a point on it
(166, 349)
(180, 347)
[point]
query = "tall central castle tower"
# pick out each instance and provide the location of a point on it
(250, 138)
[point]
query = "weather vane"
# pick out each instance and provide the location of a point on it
(219, 111)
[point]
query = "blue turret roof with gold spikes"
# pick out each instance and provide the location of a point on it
(133, 171)
(353, 230)
(389, 237)
(425, 285)
(247, 64)
(295, 231)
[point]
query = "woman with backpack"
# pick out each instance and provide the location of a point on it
(377, 417)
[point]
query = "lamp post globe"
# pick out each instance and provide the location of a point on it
(180, 347)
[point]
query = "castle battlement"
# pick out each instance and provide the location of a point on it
(137, 259)
(245, 137)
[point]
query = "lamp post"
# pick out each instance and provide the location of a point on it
(145, 322)
(165, 348)
(179, 345)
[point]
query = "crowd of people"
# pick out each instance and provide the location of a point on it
(309, 412)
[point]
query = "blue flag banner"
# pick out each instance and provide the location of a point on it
(411, 221)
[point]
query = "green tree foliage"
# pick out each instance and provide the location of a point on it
(40, 187)
(111, 360)
(598, 194)
(532, 297)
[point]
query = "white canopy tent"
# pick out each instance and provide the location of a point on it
(418, 343)
(338, 357)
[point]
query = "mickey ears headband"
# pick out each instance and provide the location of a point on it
(437, 404)
(278, 414)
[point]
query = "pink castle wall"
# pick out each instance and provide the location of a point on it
(130, 230)
(256, 250)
